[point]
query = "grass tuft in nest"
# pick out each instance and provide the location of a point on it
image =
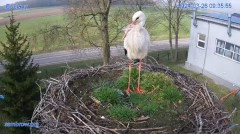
(150, 107)
(172, 94)
(137, 98)
(146, 102)
(155, 81)
(162, 87)
(159, 96)
(122, 82)
(122, 112)
(103, 83)
(107, 95)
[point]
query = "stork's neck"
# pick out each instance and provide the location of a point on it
(141, 24)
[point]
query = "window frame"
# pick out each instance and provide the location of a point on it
(199, 40)
(236, 53)
(220, 47)
(224, 49)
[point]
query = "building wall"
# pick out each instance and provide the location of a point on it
(219, 65)
(221, 69)
(196, 55)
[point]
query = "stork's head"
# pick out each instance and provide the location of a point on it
(138, 18)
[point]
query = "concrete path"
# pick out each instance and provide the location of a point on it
(94, 53)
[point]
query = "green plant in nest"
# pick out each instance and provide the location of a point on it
(122, 82)
(150, 107)
(107, 95)
(137, 98)
(122, 112)
(172, 94)
(103, 83)
(147, 103)
(155, 81)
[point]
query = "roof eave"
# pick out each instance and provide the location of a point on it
(217, 21)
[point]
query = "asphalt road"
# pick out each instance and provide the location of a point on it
(94, 53)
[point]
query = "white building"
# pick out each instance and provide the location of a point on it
(214, 47)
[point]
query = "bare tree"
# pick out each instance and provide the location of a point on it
(95, 24)
(138, 4)
(174, 15)
(144, 5)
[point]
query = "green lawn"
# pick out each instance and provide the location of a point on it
(59, 69)
(33, 26)
(29, 10)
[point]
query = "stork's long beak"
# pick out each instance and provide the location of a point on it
(131, 25)
(125, 34)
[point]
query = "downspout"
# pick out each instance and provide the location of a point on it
(205, 56)
(194, 18)
(229, 25)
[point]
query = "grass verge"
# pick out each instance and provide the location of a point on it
(59, 69)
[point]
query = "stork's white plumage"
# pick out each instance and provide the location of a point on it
(137, 39)
(136, 43)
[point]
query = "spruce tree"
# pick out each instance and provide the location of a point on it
(18, 81)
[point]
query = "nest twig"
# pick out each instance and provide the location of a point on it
(56, 115)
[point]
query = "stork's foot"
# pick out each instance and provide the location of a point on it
(128, 90)
(139, 91)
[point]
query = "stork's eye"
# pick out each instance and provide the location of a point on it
(137, 18)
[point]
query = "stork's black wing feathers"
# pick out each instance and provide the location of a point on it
(136, 60)
(125, 51)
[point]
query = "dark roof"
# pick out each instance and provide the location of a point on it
(234, 19)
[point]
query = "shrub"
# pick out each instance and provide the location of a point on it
(122, 112)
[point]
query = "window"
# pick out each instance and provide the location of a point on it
(228, 50)
(201, 40)
(236, 55)
(220, 47)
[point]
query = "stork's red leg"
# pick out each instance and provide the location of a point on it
(139, 90)
(129, 77)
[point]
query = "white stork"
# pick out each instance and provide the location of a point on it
(136, 42)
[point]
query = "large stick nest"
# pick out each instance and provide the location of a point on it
(56, 115)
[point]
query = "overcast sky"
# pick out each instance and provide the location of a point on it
(235, 5)
(4, 2)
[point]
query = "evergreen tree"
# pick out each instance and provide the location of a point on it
(18, 81)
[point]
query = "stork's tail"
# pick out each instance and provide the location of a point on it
(136, 61)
